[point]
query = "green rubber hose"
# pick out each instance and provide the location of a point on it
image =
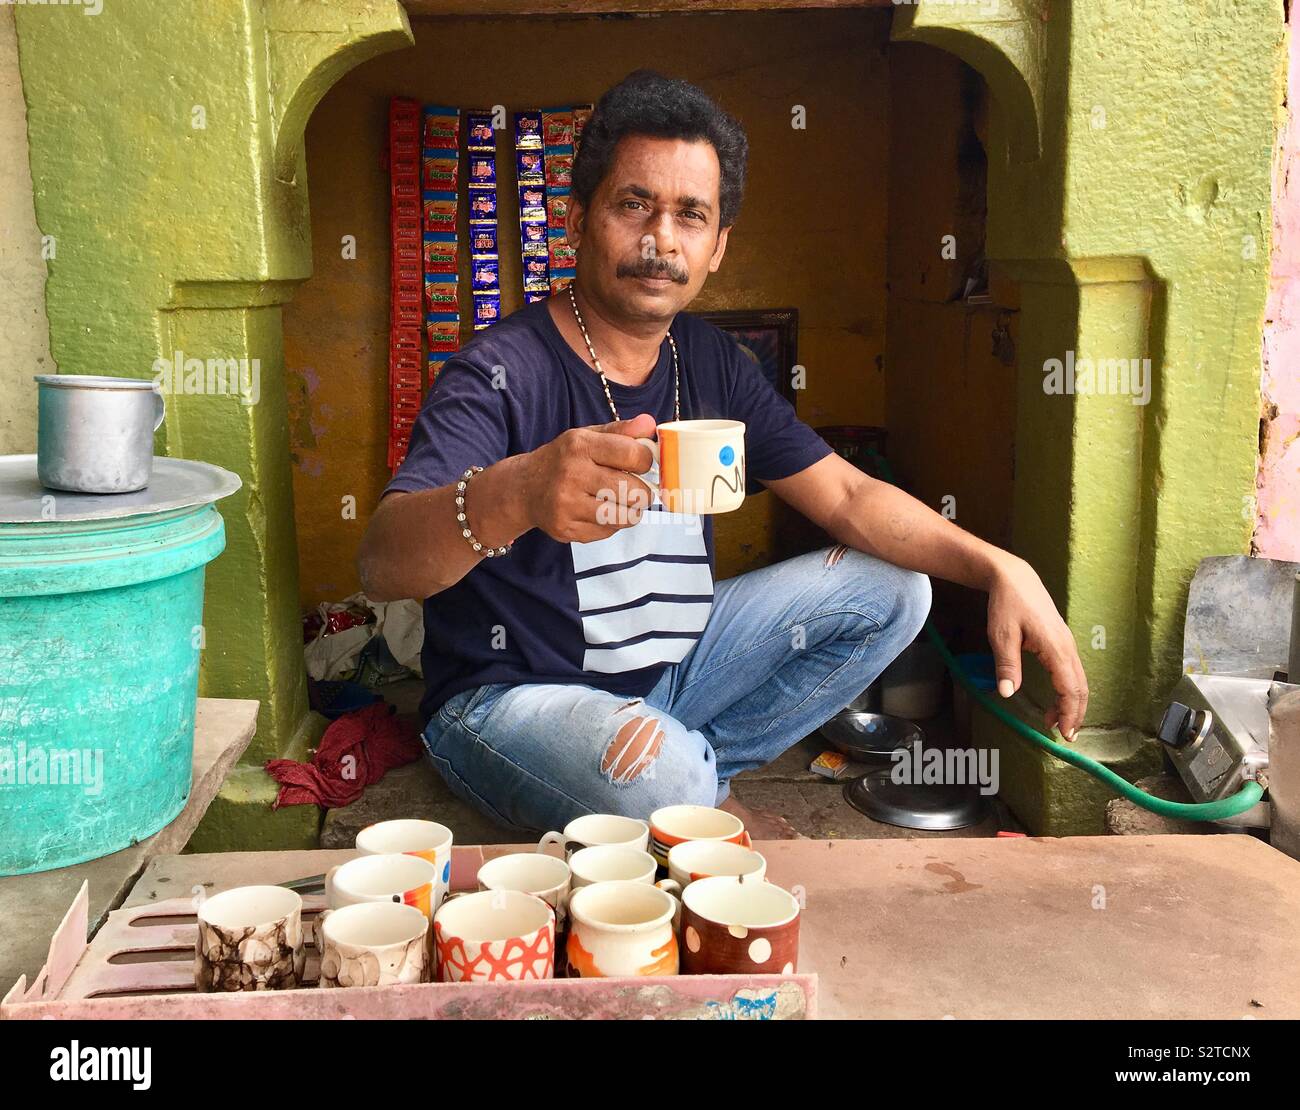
(1244, 799)
(1248, 796)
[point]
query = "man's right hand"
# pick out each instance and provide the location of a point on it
(583, 485)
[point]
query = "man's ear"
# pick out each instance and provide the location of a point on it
(719, 250)
(574, 220)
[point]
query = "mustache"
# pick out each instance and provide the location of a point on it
(652, 268)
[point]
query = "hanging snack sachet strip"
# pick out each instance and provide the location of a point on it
(440, 176)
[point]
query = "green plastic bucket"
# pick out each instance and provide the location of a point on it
(100, 633)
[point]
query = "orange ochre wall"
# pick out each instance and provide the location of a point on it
(811, 234)
(950, 362)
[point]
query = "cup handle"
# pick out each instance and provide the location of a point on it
(316, 930)
(160, 407)
(654, 450)
(553, 838)
(329, 886)
(670, 886)
(673, 889)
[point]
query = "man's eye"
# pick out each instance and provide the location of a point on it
(693, 214)
(635, 203)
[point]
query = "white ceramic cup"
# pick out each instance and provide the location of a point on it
(621, 928)
(532, 873)
(598, 828)
(603, 863)
(249, 939)
(494, 935)
(701, 465)
(426, 839)
(395, 877)
(373, 944)
(702, 859)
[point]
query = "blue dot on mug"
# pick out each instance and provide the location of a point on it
(726, 456)
(446, 871)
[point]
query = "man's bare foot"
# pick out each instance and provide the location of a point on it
(761, 824)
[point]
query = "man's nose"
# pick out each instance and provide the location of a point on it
(661, 232)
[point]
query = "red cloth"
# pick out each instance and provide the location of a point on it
(356, 750)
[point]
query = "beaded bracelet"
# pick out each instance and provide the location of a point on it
(461, 486)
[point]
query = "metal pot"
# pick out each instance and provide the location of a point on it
(95, 434)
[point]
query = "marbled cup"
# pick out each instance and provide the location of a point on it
(249, 939)
(373, 944)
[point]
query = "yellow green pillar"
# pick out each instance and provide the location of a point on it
(1128, 193)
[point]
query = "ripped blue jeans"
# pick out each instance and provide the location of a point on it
(785, 648)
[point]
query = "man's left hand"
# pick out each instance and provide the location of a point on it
(1022, 617)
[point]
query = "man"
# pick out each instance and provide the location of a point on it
(578, 656)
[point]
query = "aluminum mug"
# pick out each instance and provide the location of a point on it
(95, 434)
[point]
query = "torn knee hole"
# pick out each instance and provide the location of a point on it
(633, 750)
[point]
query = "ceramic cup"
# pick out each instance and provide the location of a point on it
(250, 939)
(598, 828)
(701, 465)
(426, 839)
(395, 877)
(373, 944)
(702, 859)
(621, 928)
(533, 873)
(494, 935)
(674, 825)
(732, 925)
(604, 863)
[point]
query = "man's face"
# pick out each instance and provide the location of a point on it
(650, 237)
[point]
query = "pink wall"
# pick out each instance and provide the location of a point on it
(1277, 529)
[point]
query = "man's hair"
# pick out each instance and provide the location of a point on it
(647, 103)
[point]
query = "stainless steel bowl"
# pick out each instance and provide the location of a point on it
(869, 737)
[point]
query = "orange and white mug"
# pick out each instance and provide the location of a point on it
(427, 839)
(700, 464)
(675, 825)
(393, 877)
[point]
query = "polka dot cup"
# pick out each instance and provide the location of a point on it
(736, 925)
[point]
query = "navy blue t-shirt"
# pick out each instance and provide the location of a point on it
(612, 613)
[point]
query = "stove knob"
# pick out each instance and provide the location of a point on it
(1179, 725)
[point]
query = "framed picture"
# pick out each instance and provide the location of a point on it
(770, 336)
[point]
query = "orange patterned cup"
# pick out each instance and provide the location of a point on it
(621, 928)
(494, 935)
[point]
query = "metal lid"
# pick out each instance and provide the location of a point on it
(914, 805)
(94, 381)
(176, 484)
